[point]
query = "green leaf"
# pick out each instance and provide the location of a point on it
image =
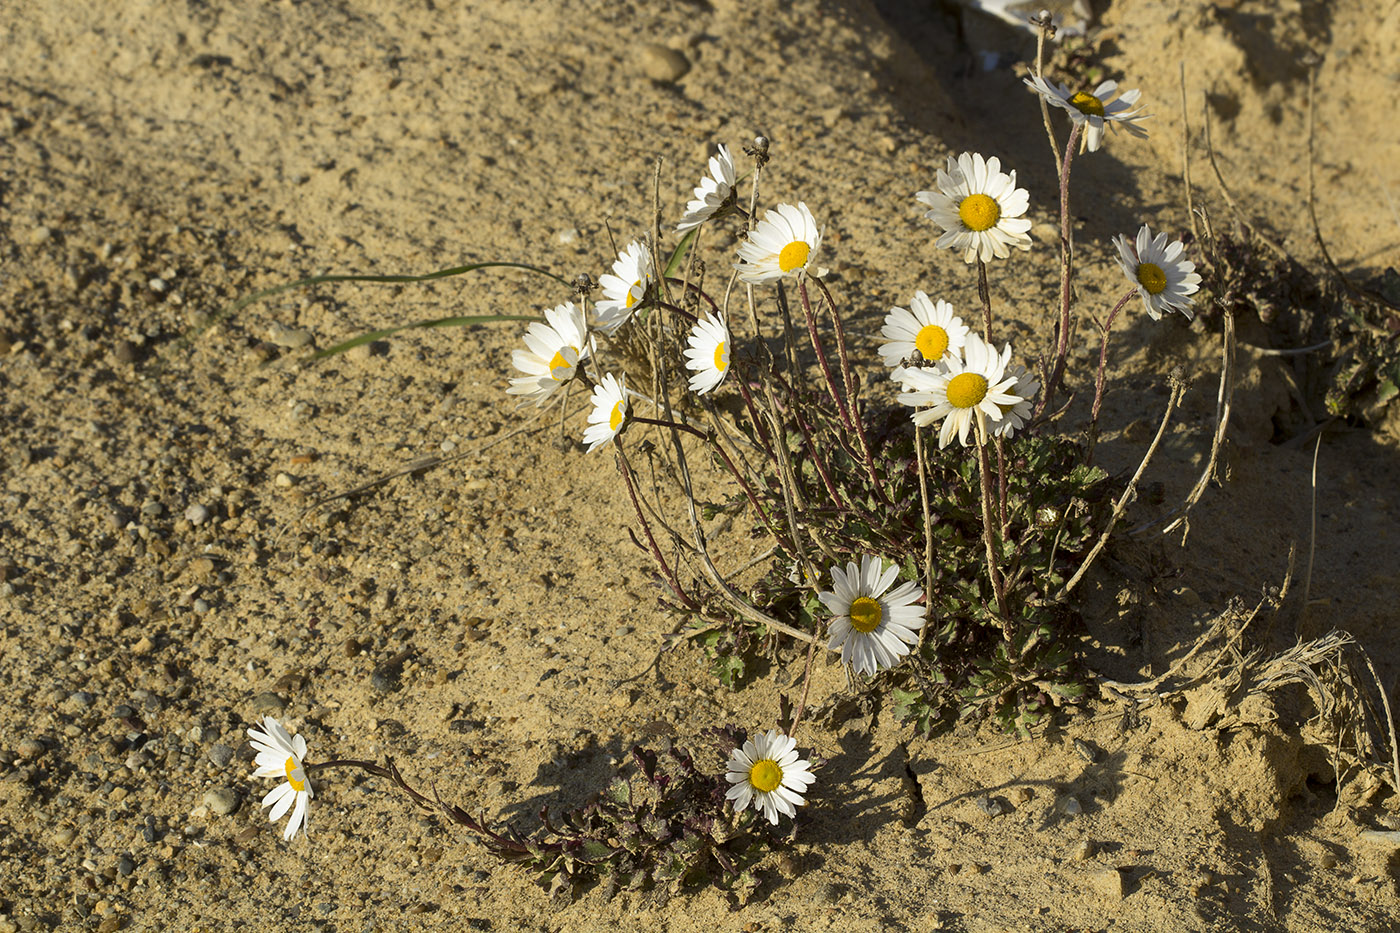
(436, 322)
(674, 263)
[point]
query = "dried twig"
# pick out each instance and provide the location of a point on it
(1178, 387)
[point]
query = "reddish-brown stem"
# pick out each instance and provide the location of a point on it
(985, 294)
(625, 469)
(674, 309)
(1003, 482)
(692, 287)
(760, 432)
(821, 355)
(989, 533)
(1103, 367)
(850, 388)
(1066, 256)
(806, 685)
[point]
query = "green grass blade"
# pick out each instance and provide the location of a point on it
(674, 262)
(436, 322)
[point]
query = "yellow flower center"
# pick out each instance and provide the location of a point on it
(292, 769)
(556, 363)
(965, 390)
(865, 615)
(1087, 104)
(766, 775)
(979, 212)
(1151, 277)
(932, 342)
(794, 255)
(635, 293)
(721, 357)
(619, 412)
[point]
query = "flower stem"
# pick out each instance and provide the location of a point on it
(831, 386)
(1066, 259)
(989, 526)
(985, 294)
(1099, 376)
(851, 393)
(625, 469)
(928, 530)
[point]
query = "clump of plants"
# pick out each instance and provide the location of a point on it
(930, 535)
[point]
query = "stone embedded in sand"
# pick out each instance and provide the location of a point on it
(662, 64)
(222, 801)
(1108, 883)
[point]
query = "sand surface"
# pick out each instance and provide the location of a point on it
(159, 160)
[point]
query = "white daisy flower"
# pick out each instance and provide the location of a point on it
(708, 354)
(553, 352)
(714, 192)
(281, 756)
(1094, 110)
(928, 328)
(767, 773)
(979, 207)
(1163, 279)
(631, 277)
(1014, 417)
(609, 411)
(873, 629)
(957, 389)
(785, 242)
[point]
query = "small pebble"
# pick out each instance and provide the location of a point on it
(125, 351)
(268, 704)
(39, 235)
(30, 749)
(222, 801)
(1022, 795)
(152, 509)
(290, 338)
(197, 514)
(386, 677)
(220, 755)
(284, 480)
(125, 866)
(1328, 860)
(662, 64)
(1084, 851)
(63, 836)
(1071, 806)
(1108, 883)
(1086, 751)
(989, 805)
(201, 606)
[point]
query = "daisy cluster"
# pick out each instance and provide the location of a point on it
(952, 376)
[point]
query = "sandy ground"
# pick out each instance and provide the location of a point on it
(159, 160)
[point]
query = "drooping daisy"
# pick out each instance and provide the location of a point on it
(785, 242)
(714, 194)
(979, 207)
(927, 328)
(871, 628)
(708, 353)
(1155, 267)
(553, 352)
(1094, 109)
(767, 773)
(281, 756)
(958, 388)
(1014, 417)
(627, 284)
(609, 411)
